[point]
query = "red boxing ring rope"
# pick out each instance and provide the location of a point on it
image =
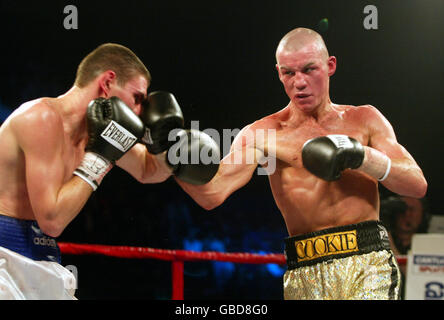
(177, 258)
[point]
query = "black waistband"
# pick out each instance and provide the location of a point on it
(333, 243)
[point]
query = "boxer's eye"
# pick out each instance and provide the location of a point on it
(138, 98)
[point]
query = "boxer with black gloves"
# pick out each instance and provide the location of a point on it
(329, 161)
(113, 129)
(55, 153)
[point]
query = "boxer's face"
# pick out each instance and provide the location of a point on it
(133, 92)
(305, 75)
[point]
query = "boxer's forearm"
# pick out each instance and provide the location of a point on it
(145, 167)
(401, 176)
(160, 171)
(406, 178)
(376, 164)
(156, 168)
(206, 196)
(56, 210)
(232, 174)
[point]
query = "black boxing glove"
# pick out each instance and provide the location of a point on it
(195, 157)
(326, 157)
(161, 113)
(113, 129)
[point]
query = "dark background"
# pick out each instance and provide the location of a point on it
(217, 57)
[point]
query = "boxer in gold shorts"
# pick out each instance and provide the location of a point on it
(324, 163)
(349, 262)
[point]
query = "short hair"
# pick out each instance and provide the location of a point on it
(299, 38)
(110, 56)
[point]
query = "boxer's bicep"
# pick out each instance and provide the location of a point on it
(230, 177)
(383, 138)
(40, 138)
(235, 170)
(403, 175)
(238, 166)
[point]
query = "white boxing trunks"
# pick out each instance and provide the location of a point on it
(30, 264)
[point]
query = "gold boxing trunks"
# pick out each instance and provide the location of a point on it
(342, 263)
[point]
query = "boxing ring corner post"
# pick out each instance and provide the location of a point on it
(177, 258)
(177, 280)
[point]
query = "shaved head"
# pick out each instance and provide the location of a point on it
(304, 68)
(300, 38)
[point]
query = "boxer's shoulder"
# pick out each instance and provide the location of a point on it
(35, 120)
(362, 115)
(40, 112)
(365, 110)
(371, 117)
(271, 121)
(267, 122)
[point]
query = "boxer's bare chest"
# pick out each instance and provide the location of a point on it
(73, 153)
(304, 198)
(291, 136)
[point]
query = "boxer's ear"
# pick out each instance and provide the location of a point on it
(331, 63)
(278, 69)
(106, 81)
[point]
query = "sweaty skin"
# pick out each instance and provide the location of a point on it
(43, 142)
(308, 203)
